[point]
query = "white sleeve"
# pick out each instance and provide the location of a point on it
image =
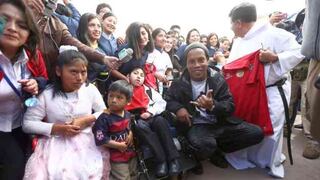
(157, 105)
(288, 51)
(168, 60)
(98, 104)
(33, 119)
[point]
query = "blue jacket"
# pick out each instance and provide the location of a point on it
(71, 22)
(109, 46)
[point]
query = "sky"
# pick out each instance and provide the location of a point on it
(205, 15)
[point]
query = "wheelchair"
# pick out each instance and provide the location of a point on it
(145, 155)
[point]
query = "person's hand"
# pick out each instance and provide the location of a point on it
(129, 139)
(219, 57)
(29, 85)
(276, 17)
(205, 101)
(81, 122)
(145, 115)
(36, 5)
(112, 62)
(226, 54)
(267, 56)
(65, 129)
(161, 77)
(122, 146)
(120, 41)
(66, 2)
(183, 116)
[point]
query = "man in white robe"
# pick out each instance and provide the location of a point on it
(280, 52)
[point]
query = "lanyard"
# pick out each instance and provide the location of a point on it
(23, 72)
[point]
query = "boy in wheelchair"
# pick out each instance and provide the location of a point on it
(151, 128)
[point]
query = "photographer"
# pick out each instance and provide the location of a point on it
(54, 34)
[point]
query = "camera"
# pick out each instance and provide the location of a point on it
(49, 5)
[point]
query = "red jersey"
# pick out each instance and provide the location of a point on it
(245, 77)
(139, 100)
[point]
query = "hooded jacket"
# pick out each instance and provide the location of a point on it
(179, 95)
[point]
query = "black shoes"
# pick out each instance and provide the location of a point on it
(174, 167)
(198, 169)
(161, 170)
(298, 126)
(218, 160)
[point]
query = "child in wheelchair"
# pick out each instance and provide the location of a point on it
(151, 128)
(112, 130)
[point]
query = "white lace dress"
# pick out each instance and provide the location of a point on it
(61, 157)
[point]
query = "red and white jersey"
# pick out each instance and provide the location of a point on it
(245, 77)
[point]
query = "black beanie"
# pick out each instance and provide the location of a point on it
(194, 46)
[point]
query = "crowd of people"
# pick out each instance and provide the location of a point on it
(68, 95)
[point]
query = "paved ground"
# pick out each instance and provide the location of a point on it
(303, 169)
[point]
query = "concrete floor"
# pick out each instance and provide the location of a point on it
(302, 169)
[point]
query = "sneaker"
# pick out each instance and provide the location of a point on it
(312, 150)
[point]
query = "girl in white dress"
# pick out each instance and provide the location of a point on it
(63, 118)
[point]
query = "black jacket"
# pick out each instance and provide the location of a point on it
(179, 95)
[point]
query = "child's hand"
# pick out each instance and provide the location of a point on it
(122, 146)
(129, 140)
(145, 115)
(81, 122)
(65, 129)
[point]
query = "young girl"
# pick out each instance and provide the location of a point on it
(161, 59)
(213, 44)
(108, 42)
(225, 46)
(22, 66)
(89, 33)
(139, 40)
(192, 36)
(112, 131)
(66, 148)
(152, 128)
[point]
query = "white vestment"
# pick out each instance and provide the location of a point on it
(263, 35)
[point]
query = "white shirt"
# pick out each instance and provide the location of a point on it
(198, 87)
(11, 110)
(61, 109)
(161, 60)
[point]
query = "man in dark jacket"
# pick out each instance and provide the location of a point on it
(203, 105)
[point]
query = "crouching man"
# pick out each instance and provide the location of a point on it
(203, 105)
